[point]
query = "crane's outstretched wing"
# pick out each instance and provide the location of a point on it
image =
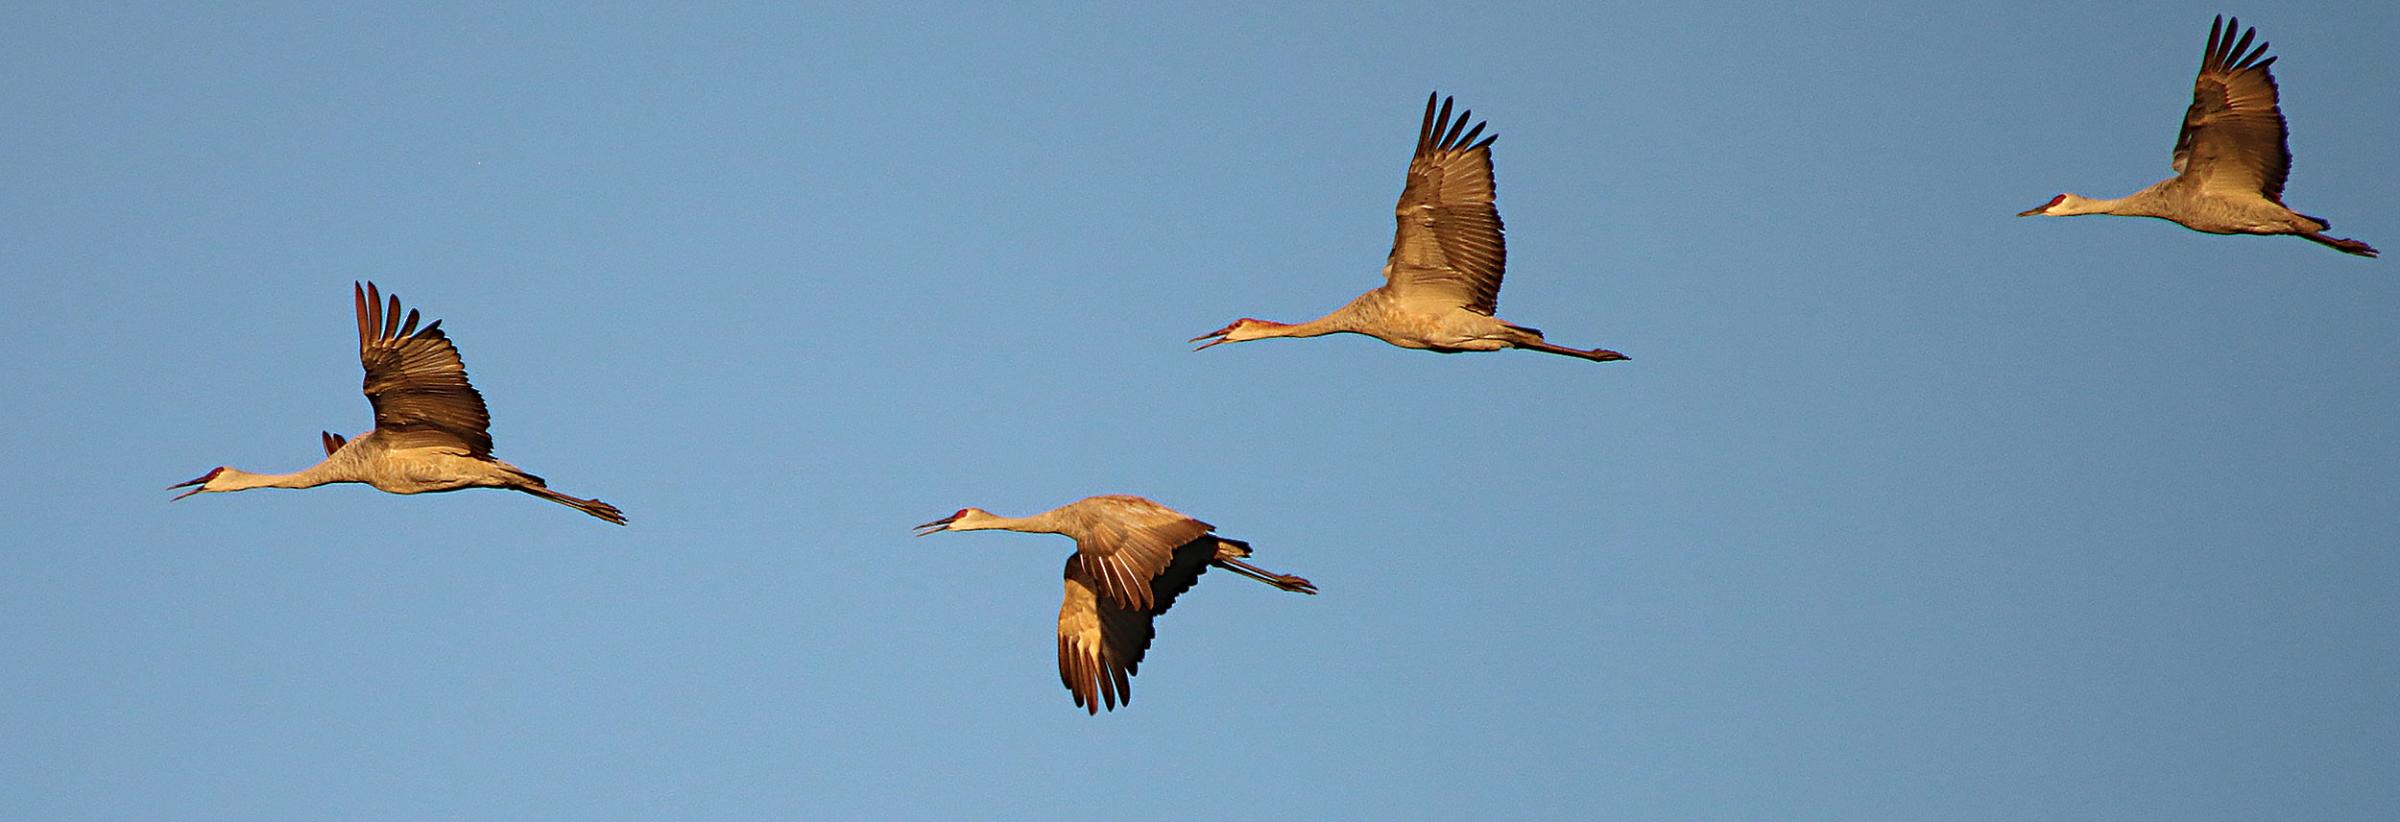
(1101, 643)
(2233, 137)
(1449, 245)
(1128, 547)
(415, 380)
(333, 441)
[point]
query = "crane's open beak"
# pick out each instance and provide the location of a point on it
(197, 481)
(1217, 335)
(936, 526)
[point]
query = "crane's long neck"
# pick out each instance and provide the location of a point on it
(2143, 203)
(1334, 323)
(235, 479)
(1047, 522)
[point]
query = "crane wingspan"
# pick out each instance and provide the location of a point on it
(1125, 554)
(415, 379)
(1449, 245)
(2234, 138)
(1101, 643)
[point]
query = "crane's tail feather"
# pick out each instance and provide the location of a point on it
(593, 507)
(1284, 581)
(2342, 245)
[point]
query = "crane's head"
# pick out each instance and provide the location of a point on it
(967, 519)
(203, 481)
(2054, 208)
(1241, 330)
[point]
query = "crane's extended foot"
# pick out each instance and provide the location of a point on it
(1605, 355)
(602, 510)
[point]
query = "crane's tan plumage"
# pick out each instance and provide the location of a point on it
(2231, 157)
(431, 430)
(1122, 554)
(1119, 580)
(1441, 282)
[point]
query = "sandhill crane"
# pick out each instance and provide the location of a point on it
(430, 425)
(2230, 160)
(1132, 558)
(1442, 280)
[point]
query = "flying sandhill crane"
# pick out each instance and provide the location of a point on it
(430, 425)
(1132, 558)
(1442, 280)
(2230, 160)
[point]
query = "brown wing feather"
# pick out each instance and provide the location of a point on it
(415, 379)
(333, 442)
(1100, 643)
(1129, 546)
(2234, 139)
(1449, 244)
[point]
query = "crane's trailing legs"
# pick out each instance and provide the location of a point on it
(1229, 556)
(1595, 355)
(1284, 581)
(2342, 245)
(1544, 346)
(589, 506)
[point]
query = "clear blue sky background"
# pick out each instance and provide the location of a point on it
(1905, 508)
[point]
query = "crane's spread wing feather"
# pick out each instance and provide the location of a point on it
(2234, 138)
(1449, 245)
(1125, 551)
(333, 442)
(1101, 643)
(415, 380)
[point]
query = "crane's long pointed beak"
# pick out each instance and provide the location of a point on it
(201, 481)
(1218, 335)
(935, 527)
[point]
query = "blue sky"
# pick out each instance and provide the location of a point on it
(1905, 508)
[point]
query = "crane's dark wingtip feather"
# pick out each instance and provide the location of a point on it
(1471, 134)
(1425, 129)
